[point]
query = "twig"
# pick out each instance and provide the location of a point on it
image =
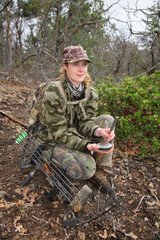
(153, 194)
(51, 57)
(41, 220)
(25, 59)
(139, 204)
(13, 119)
(6, 5)
(109, 172)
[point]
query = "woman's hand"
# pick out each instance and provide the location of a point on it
(106, 133)
(92, 147)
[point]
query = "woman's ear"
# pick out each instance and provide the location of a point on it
(64, 66)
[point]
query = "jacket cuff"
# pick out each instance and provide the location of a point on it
(93, 129)
(94, 132)
(85, 147)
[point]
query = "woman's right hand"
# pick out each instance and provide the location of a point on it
(92, 147)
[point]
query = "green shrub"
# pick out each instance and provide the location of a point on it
(137, 103)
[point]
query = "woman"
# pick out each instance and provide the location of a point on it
(68, 123)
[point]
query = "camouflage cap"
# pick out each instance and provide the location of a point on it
(74, 54)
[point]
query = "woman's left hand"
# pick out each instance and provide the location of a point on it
(106, 133)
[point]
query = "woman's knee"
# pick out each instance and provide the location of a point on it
(104, 121)
(77, 165)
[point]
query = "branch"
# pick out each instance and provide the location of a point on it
(76, 29)
(149, 71)
(13, 119)
(25, 59)
(51, 57)
(33, 55)
(5, 6)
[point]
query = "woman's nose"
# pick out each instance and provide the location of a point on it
(81, 68)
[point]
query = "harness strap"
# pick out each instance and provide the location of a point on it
(71, 103)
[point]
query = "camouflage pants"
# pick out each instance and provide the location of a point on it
(79, 165)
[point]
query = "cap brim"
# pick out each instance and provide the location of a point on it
(78, 60)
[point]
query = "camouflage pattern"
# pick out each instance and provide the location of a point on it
(65, 139)
(77, 165)
(74, 54)
(80, 165)
(58, 124)
(104, 121)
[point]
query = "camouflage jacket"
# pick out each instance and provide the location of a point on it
(59, 121)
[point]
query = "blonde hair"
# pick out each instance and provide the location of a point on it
(87, 81)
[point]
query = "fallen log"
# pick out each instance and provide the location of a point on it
(13, 119)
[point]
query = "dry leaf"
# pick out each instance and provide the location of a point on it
(131, 201)
(24, 230)
(20, 202)
(16, 219)
(150, 204)
(32, 197)
(55, 204)
(133, 235)
(81, 235)
(112, 235)
(157, 225)
(26, 198)
(158, 203)
(18, 228)
(2, 205)
(9, 204)
(105, 235)
(18, 191)
(25, 191)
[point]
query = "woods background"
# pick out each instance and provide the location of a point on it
(33, 34)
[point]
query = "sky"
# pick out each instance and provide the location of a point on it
(119, 12)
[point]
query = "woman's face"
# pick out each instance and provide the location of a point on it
(76, 72)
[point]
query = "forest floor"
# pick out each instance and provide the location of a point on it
(26, 214)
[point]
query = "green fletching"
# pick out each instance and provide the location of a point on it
(23, 135)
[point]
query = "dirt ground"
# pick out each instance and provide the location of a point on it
(26, 214)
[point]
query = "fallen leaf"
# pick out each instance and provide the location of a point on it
(25, 191)
(131, 201)
(133, 235)
(157, 225)
(81, 235)
(18, 228)
(158, 203)
(24, 230)
(26, 198)
(150, 204)
(32, 197)
(149, 163)
(2, 205)
(112, 235)
(9, 204)
(105, 235)
(16, 219)
(18, 191)
(20, 202)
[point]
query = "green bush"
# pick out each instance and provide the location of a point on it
(137, 103)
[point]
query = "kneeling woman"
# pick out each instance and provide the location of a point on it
(70, 128)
